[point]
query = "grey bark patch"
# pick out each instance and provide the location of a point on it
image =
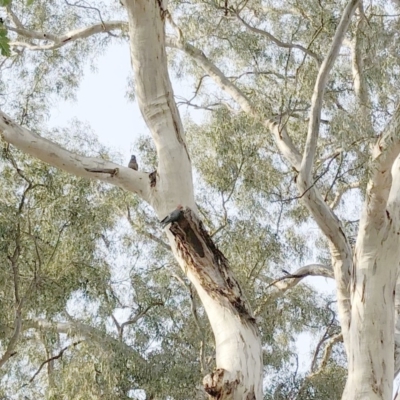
(191, 236)
(251, 396)
(208, 264)
(218, 387)
(7, 121)
(153, 178)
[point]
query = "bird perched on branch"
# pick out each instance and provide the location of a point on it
(173, 216)
(133, 163)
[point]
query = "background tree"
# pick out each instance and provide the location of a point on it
(287, 79)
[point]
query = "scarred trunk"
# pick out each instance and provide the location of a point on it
(238, 346)
(238, 373)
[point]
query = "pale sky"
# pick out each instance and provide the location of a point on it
(102, 102)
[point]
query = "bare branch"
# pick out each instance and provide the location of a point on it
(76, 4)
(59, 41)
(338, 196)
(53, 154)
(118, 326)
(14, 339)
(319, 90)
(59, 355)
(327, 353)
(279, 42)
(140, 315)
(292, 280)
(213, 71)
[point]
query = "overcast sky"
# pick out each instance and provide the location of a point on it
(101, 102)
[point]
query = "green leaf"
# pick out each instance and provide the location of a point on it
(4, 3)
(29, 2)
(4, 43)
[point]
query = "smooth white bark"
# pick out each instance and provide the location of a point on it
(156, 101)
(238, 347)
(397, 328)
(53, 154)
(59, 41)
(371, 361)
(319, 90)
(377, 257)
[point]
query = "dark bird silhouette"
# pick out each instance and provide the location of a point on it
(173, 216)
(133, 163)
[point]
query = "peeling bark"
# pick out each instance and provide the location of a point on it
(239, 358)
(238, 345)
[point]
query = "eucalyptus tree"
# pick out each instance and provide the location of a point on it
(305, 91)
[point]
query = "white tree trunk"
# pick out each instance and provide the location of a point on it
(238, 373)
(238, 347)
(371, 350)
(239, 367)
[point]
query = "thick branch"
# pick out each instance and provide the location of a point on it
(374, 275)
(384, 154)
(155, 97)
(214, 72)
(360, 84)
(292, 280)
(53, 154)
(319, 90)
(228, 311)
(327, 353)
(13, 17)
(59, 41)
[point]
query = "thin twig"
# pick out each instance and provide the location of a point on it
(59, 355)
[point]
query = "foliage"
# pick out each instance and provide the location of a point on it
(78, 258)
